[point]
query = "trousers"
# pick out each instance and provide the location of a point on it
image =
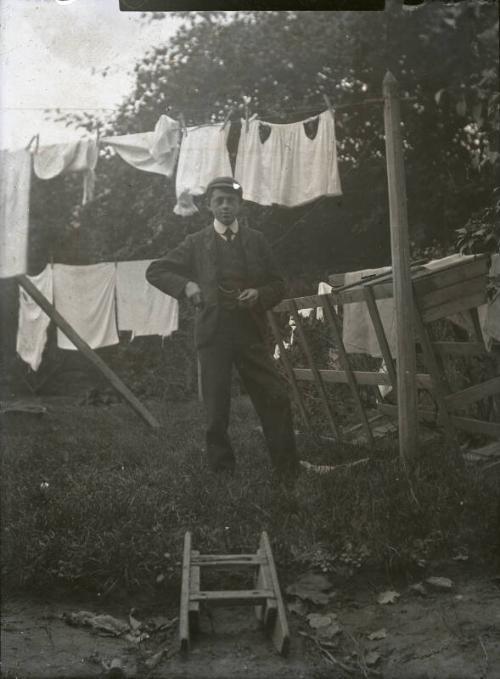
(237, 342)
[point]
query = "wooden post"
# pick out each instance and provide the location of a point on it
(400, 252)
(89, 354)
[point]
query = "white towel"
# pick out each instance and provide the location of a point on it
(155, 151)
(85, 297)
(143, 309)
(80, 156)
(15, 179)
(358, 331)
(203, 156)
(33, 321)
(289, 168)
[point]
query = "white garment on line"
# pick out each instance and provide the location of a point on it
(203, 156)
(155, 151)
(33, 321)
(289, 168)
(143, 309)
(15, 180)
(85, 297)
(79, 156)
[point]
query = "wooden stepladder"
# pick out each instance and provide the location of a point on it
(266, 597)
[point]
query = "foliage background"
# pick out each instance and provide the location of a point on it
(445, 58)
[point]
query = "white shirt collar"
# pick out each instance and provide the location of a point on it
(221, 228)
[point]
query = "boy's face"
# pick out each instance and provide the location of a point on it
(224, 205)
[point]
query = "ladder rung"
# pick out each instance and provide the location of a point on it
(236, 560)
(211, 558)
(232, 597)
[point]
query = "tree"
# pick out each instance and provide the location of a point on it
(282, 63)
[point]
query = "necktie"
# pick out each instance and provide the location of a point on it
(229, 235)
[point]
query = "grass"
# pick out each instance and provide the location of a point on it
(93, 500)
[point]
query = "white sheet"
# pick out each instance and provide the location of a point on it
(33, 321)
(143, 309)
(85, 297)
(15, 180)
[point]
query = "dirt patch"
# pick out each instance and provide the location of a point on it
(442, 635)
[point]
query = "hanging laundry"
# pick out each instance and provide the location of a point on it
(288, 168)
(33, 321)
(358, 332)
(79, 156)
(155, 151)
(142, 308)
(323, 289)
(85, 297)
(202, 157)
(15, 179)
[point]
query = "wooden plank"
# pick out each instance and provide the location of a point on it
(467, 287)
(440, 386)
(184, 604)
(381, 336)
(207, 559)
(400, 255)
(362, 377)
(466, 423)
(312, 365)
(225, 563)
(476, 324)
(266, 614)
(194, 588)
(459, 348)
(454, 306)
(289, 370)
(89, 354)
(236, 597)
(281, 632)
(331, 316)
(427, 280)
(475, 393)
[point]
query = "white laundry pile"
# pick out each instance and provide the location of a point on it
(79, 156)
(358, 332)
(202, 157)
(155, 151)
(288, 168)
(85, 297)
(15, 179)
(33, 321)
(143, 309)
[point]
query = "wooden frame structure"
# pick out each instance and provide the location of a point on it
(266, 597)
(459, 287)
(86, 350)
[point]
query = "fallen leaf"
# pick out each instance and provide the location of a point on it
(134, 623)
(317, 620)
(298, 607)
(379, 634)
(155, 659)
(440, 583)
(311, 587)
(330, 631)
(372, 658)
(388, 597)
(418, 588)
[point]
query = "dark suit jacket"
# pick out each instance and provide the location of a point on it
(195, 259)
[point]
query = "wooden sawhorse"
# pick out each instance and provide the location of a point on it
(266, 597)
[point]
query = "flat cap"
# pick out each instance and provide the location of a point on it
(226, 183)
